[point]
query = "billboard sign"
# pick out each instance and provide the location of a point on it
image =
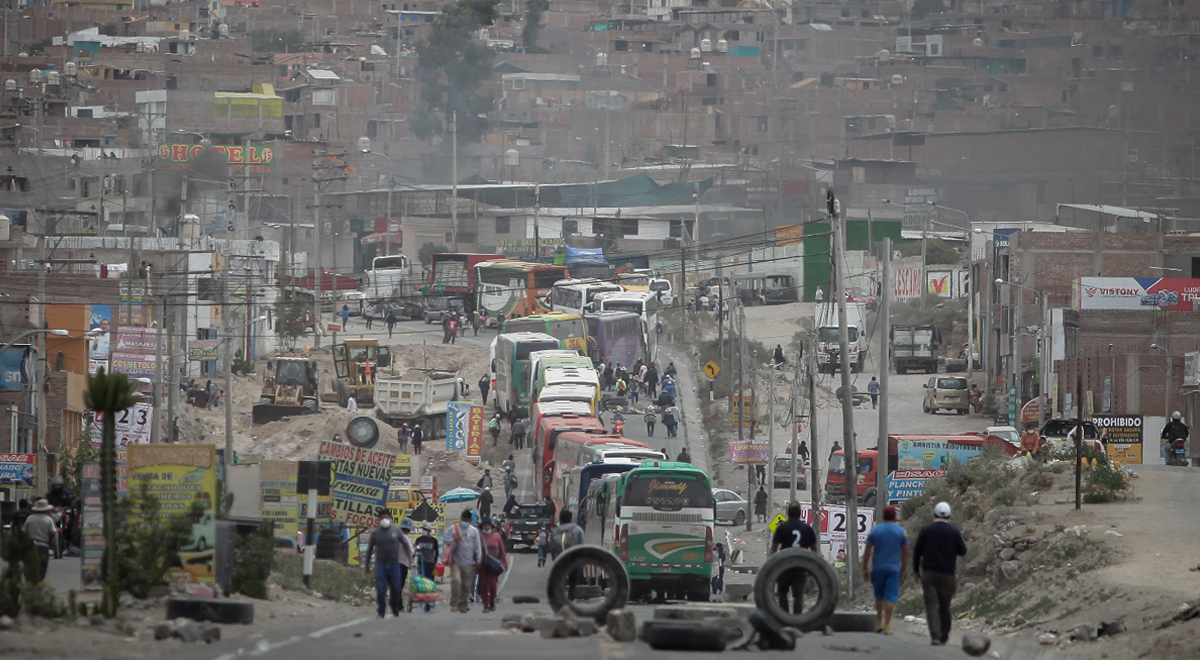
(179, 475)
(179, 156)
(1123, 437)
(1174, 294)
(360, 482)
(18, 471)
(919, 461)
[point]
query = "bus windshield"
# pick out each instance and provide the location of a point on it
(667, 493)
(526, 347)
(382, 263)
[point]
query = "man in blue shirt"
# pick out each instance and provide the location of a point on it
(888, 545)
(873, 390)
(795, 533)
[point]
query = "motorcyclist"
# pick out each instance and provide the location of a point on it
(1174, 430)
(59, 496)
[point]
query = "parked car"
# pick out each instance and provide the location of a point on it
(731, 506)
(526, 520)
(859, 295)
(1057, 433)
(357, 300)
(946, 393)
(783, 473)
(1009, 434)
(439, 306)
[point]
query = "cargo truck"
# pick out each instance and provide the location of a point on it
(915, 347)
(828, 345)
(418, 396)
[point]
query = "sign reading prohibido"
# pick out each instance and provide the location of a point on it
(1122, 436)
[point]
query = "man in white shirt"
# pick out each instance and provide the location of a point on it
(464, 555)
(40, 525)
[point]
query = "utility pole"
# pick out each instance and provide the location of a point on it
(537, 207)
(970, 313)
(317, 268)
(771, 442)
(454, 178)
(1014, 392)
(814, 472)
(227, 333)
(851, 465)
(885, 317)
(156, 429)
(924, 241)
(795, 417)
(741, 403)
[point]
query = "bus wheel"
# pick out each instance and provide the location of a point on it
(770, 579)
(584, 559)
(699, 593)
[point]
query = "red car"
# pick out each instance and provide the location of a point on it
(859, 295)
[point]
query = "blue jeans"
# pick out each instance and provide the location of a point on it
(388, 575)
(542, 550)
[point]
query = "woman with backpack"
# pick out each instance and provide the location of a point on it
(493, 557)
(494, 428)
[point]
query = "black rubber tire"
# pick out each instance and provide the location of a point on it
(770, 635)
(217, 610)
(578, 557)
(869, 501)
(525, 600)
(677, 637)
(820, 573)
(739, 518)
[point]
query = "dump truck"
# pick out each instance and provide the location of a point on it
(915, 347)
(828, 346)
(418, 396)
(289, 388)
(356, 362)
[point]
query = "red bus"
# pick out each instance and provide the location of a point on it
(545, 438)
(575, 450)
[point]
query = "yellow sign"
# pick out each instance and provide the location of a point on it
(738, 402)
(779, 520)
(711, 369)
(179, 475)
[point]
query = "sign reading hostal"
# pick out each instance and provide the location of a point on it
(360, 482)
(179, 475)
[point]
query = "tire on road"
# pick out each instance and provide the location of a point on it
(576, 558)
(216, 610)
(771, 635)
(820, 573)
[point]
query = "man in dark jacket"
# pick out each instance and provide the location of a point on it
(760, 504)
(485, 503)
(935, 560)
(485, 384)
(388, 545)
(426, 548)
(684, 456)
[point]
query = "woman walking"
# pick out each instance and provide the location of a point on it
(492, 550)
(543, 545)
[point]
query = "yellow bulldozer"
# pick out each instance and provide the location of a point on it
(356, 363)
(289, 388)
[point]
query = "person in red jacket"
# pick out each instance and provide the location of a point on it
(492, 544)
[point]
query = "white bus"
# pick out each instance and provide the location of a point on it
(644, 304)
(575, 296)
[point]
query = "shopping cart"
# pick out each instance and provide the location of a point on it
(421, 589)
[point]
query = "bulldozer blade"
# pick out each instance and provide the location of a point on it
(264, 413)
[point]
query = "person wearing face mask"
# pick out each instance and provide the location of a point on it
(388, 546)
(492, 544)
(462, 555)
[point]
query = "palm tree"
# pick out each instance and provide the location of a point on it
(109, 394)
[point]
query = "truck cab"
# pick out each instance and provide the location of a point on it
(866, 475)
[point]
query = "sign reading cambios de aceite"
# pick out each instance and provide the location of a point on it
(360, 482)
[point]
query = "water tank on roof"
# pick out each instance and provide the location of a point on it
(978, 42)
(54, 78)
(706, 45)
(722, 46)
(71, 69)
(223, 30)
(601, 59)
(884, 56)
(185, 34)
(364, 144)
(897, 79)
(512, 158)
(694, 53)
(10, 85)
(35, 76)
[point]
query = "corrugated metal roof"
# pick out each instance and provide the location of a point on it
(1105, 209)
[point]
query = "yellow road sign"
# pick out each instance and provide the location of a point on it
(779, 520)
(711, 369)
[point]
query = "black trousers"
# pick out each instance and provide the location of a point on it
(939, 590)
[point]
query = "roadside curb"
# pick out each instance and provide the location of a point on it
(692, 431)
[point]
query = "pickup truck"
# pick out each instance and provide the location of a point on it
(915, 347)
(525, 521)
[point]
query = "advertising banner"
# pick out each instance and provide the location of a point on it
(402, 471)
(280, 503)
(458, 423)
(133, 426)
(180, 156)
(919, 461)
(203, 350)
(92, 521)
(918, 209)
(831, 528)
(1137, 293)
(179, 475)
(907, 283)
(738, 404)
(749, 453)
(132, 310)
(475, 435)
(1123, 437)
(360, 482)
(12, 368)
(18, 471)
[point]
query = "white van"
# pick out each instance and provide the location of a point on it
(665, 292)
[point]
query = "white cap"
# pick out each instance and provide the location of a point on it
(941, 510)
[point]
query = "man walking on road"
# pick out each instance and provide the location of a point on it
(40, 526)
(795, 533)
(651, 418)
(760, 505)
(888, 545)
(485, 384)
(462, 555)
(935, 560)
(873, 390)
(388, 545)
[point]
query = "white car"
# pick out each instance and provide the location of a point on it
(666, 293)
(1009, 434)
(731, 506)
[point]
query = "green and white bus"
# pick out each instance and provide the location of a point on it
(658, 518)
(511, 368)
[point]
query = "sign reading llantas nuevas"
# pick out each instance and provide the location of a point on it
(360, 482)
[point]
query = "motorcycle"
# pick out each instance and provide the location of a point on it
(1175, 453)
